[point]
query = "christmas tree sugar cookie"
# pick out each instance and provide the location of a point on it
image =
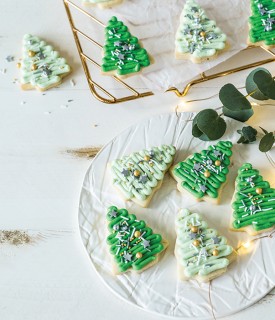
(203, 175)
(262, 23)
(41, 68)
(102, 3)
(139, 175)
(253, 202)
(198, 38)
(122, 53)
(133, 245)
(201, 253)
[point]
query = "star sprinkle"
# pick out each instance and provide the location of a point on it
(146, 244)
(113, 214)
(127, 256)
(151, 153)
(125, 47)
(203, 188)
(125, 172)
(193, 235)
(197, 166)
(10, 58)
(46, 71)
(216, 240)
(117, 43)
(116, 227)
(143, 179)
(121, 56)
(216, 153)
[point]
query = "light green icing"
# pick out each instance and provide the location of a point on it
(122, 51)
(191, 171)
(151, 171)
(193, 22)
(50, 66)
(124, 245)
(251, 208)
(199, 260)
(262, 22)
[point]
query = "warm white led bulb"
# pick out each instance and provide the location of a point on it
(247, 244)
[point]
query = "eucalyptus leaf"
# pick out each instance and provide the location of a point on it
(267, 142)
(211, 124)
(204, 137)
(241, 115)
(248, 134)
(264, 131)
(251, 86)
(232, 99)
(242, 140)
(196, 131)
(265, 83)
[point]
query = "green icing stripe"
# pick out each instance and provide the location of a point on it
(262, 22)
(197, 34)
(250, 207)
(124, 245)
(50, 67)
(151, 166)
(122, 51)
(199, 260)
(191, 171)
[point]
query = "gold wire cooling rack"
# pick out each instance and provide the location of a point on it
(97, 90)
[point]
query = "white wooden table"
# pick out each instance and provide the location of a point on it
(40, 182)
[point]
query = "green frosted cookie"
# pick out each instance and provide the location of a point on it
(203, 175)
(262, 23)
(41, 68)
(201, 253)
(122, 53)
(253, 202)
(133, 245)
(139, 175)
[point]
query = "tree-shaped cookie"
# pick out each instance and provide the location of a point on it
(203, 174)
(253, 202)
(102, 3)
(201, 253)
(137, 176)
(42, 68)
(133, 245)
(262, 23)
(122, 53)
(198, 38)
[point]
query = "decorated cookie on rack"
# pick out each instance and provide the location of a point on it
(201, 253)
(253, 202)
(203, 175)
(198, 38)
(139, 175)
(103, 4)
(41, 68)
(133, 245)
(122, 53)
(262, 23)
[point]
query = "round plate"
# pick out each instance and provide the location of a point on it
(157, 289)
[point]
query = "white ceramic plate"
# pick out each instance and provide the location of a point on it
(157, 289)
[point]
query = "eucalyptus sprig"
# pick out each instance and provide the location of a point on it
(209, 125)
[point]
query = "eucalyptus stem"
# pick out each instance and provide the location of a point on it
(250, 94)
